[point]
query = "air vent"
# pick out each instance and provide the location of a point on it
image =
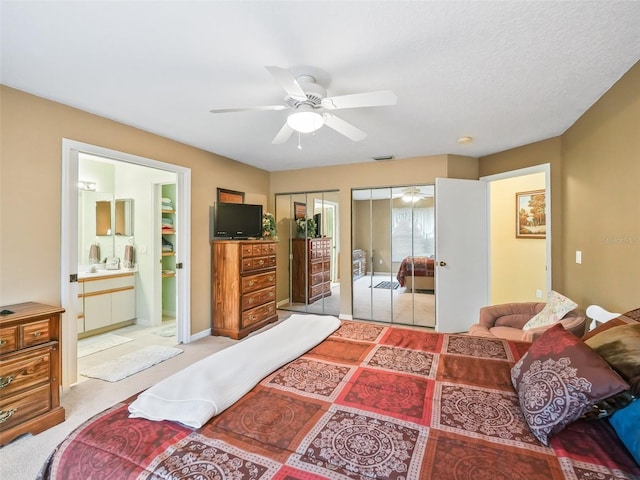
(383, 157)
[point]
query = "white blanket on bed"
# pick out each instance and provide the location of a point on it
(206, 388)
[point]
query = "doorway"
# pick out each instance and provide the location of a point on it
(149, 272)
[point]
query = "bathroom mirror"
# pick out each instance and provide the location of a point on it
(103, 218)
(124, 216)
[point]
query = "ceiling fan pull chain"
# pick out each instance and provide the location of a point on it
(299, 146)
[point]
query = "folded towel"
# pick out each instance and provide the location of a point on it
(206, 388)
(94, 253)
(167, 221)
(128, 256)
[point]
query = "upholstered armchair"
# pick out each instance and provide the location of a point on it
(506, 321)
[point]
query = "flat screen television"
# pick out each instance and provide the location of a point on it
(237, 220)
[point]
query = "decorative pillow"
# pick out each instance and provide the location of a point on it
(625, 422)
(557, 307)
(559, 379)
(620, 347)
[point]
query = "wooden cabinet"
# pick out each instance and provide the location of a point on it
(359, 259)
(311, 269)
(244, 286)
(108, 302)
(29, 370)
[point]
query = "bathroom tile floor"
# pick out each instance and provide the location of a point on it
(141, 337)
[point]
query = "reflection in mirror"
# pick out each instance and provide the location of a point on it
(312, 281)
(393, 243)
(103, 218)
(124, 216)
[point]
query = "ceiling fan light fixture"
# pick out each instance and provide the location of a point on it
(305, 120)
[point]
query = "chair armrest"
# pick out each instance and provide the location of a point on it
(509, 314)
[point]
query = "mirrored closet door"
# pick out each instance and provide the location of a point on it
(308, 250)
(393, 254)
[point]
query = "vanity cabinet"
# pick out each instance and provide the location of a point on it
(311, 269)
(244, 286)
(29, 369)
(108, 302)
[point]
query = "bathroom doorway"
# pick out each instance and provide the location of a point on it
(136, 179)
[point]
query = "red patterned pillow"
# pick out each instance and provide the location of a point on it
(559, 379)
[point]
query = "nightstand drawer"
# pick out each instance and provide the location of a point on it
(29, 404)
(8, 339)
(22, 372)
(35, 333)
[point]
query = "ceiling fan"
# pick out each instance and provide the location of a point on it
(310, 107)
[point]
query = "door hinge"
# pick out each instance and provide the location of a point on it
(73, 277)
(179, 265)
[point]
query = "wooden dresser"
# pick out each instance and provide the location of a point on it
(311, 269)
(29, 369)
(243, 276)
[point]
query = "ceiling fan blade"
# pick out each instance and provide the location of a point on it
(283, 135)
(344, 128)
(249, 109)
(287, 81)
(356, 100)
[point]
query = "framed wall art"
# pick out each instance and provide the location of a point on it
(531, 217)
(299, 210)
(230, 196)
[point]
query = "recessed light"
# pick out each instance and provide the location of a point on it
(463, 140)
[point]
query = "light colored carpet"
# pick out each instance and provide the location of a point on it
(127, 365)
(91, 345)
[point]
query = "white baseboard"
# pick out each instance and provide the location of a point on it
(199, 335)
(345, 316)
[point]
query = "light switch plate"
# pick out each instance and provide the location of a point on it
(578, 256)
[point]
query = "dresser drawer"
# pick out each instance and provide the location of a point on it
(315, 267)
(8, 339)
(255, 315)
(316, 279)
(35, 333)
(258, 263)
(316, 290)
(259, 297)
(19, 373)
(257, 282)
(18, 408)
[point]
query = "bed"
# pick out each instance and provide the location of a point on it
(370, 401)
(417, 273)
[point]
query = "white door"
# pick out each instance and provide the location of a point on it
(462, 265)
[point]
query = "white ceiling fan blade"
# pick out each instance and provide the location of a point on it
(287, 81)
(344, 128)
(356, 100)
(249, 109)
(283, 135)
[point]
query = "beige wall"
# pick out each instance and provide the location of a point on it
(517, 264)
(601, 203)
(595, 173)
(30, 188)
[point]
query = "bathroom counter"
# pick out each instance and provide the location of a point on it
(84, 273)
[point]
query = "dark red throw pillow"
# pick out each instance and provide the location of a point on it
(559, 379)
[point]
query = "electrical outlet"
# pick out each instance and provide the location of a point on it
(142, 249)
(538, 293)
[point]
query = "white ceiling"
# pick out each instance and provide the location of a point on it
(505, 73)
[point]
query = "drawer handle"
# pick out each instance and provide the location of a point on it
(3, 342)
(252, 283)
(5, 381)
(271, 278)
(272, 293)
(261, 262)
(251, 300)
(37, 334)
(251, 317)
(6, 415)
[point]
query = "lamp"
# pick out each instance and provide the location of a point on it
(305, 119)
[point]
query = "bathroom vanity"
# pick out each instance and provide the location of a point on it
(106, 300)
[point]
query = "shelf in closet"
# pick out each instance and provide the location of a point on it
(168, 254)
(167, 275)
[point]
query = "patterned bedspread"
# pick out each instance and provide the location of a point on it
(418, 266)
(369, 402)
